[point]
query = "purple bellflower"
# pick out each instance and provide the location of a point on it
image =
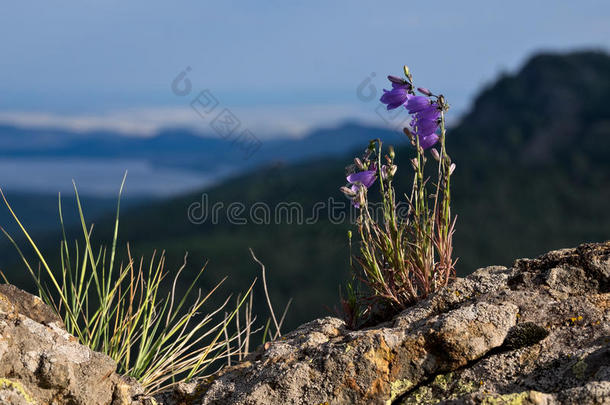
(431, 112)
(364, 179)
(424, 127)
(425, 121)
(424, 112)
(417, 104)
(399, 94)
(429, 141)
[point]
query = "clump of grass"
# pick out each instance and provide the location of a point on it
(405, 249)
(161, 339)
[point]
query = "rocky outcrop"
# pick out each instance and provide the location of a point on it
(41, 363)
(535, 333)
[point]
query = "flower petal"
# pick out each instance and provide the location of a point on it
(366, 178)
(417, 103)
(428, 141)
(355, 188)
(425, 127)
(394, 98)
(431, 112)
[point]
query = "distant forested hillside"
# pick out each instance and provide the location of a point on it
(533, 174)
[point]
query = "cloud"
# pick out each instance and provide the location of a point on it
(264, 121)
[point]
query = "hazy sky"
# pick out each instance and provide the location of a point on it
(280, 63)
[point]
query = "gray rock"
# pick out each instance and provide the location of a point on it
(536, 333)
(14, 300)
(41, 363)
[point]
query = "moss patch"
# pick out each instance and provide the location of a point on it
(443, 387)
(579, 368)
(520, 398)
(421, 396)
(462, 388)
(7, 384)
(524, 334)
(399, 387)
(442, 381)
(508, 399)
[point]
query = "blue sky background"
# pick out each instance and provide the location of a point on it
(282, 62)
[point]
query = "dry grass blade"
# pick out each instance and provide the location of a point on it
(275, 322)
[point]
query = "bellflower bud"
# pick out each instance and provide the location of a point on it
(424, 91)
(388, 171)
(348, 192)
(435, 154)
(397, 80)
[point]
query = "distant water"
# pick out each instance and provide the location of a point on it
(98, 177)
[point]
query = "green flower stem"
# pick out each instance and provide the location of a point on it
(446, 179)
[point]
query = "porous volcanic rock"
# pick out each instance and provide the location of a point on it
(41, 363)
(535, 333)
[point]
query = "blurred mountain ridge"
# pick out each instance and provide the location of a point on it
(533, 174)
(184, 148)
